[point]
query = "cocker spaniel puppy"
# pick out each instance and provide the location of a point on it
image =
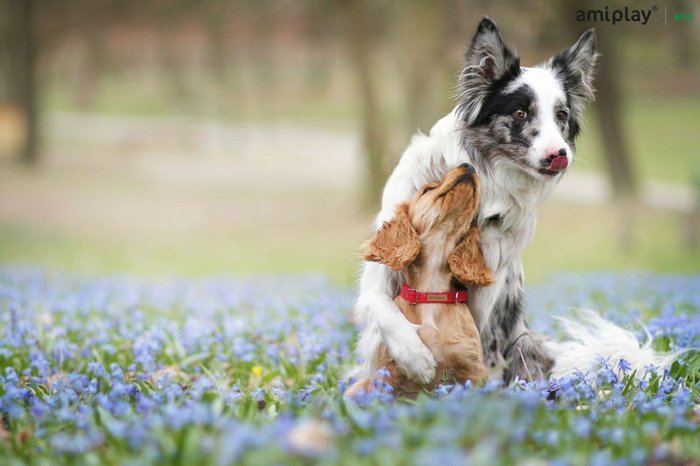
(433, 240)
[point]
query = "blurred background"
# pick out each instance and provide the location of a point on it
(180, 137)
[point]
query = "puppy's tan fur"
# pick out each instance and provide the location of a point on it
(432, 239)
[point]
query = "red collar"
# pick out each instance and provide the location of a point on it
(444, 297)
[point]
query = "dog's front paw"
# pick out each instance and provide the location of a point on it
(421, 367)
(413, 358)
(528, 358)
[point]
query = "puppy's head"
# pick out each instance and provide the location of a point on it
(526, 117)
(447, 206)
(439, 217)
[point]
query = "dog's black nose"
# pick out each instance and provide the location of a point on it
(469, 167)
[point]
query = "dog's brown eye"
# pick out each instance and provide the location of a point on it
(427, 190)
(520, 114)
(562, 116)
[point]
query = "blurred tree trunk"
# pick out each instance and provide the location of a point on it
(608, 106)
(615, 148)
(20, 71)
(417, 47)
(172, 69)
(268, 77)
(427, 35)
(91, 67)
(692, 220)
(216, 27)
(319, 18)
(217, 18)
(684, 43)
(374, 138)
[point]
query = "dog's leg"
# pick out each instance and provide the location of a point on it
(522, 354)
(384, 323)
(527, 357)
(389, 377)
(375, 310)
(523, 350)
(493, 353)
(359, 387)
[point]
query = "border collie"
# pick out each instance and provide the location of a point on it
(517, 126)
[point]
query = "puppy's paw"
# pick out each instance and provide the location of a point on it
(412, 357)
(421, 366)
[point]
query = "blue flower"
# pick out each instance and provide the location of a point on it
(140, 368)
(624, 365)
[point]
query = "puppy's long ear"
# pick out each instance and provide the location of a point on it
(396, 243)
(467, 261)
(488, 59)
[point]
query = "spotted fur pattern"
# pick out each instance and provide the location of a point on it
(510, 122)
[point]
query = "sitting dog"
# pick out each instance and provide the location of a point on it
(434, 240)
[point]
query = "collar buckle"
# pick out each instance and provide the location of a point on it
(411, 295)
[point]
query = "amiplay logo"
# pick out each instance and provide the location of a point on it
(617, 15)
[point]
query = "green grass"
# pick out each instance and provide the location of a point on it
(661, 135)
(569, 237)
(308, 251)
(581, 237)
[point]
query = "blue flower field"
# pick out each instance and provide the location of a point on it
(123, 370)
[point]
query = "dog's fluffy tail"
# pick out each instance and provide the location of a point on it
(589, 337)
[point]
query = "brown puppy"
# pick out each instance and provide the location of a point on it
(432, 239)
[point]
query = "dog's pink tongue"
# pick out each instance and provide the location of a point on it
(558, 163)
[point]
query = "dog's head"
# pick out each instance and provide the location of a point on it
(439, 219)
(529, 117)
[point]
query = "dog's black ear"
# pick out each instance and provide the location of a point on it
(579, 59)
(575, 67)
(488, 59)
(489, 52)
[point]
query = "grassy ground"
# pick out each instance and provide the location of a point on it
(569, 237)
(301, 250)
(575, 237)
(158, 202)
(661, 135)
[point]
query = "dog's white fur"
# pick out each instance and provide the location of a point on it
(427, 159)
(505, 189)
(590, 337)
(512, 189)
(549, 95)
